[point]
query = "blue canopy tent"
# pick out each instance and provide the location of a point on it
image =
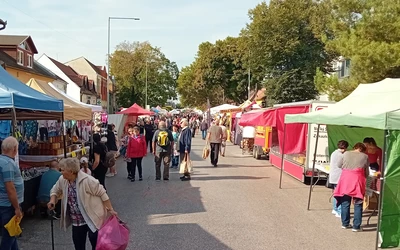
(20, 102)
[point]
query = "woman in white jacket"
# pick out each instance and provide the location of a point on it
(85, 203)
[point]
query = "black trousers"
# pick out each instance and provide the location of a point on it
(149, 143)
(79, 235)
(135, 162)
(100, 174)
(214, 148)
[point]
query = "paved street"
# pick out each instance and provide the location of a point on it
(235, 206)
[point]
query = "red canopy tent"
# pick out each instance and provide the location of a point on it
(136, 110)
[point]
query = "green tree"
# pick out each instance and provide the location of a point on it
(219, 73)
(129, 63)
(367, 33)
(285, 38)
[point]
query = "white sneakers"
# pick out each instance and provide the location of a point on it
(336, 214)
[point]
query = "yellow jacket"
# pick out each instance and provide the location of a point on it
(90, 196)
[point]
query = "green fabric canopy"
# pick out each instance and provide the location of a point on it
(373, 105)
(376, 106)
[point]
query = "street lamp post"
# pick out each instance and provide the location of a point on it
(146, 85)
(108, 53)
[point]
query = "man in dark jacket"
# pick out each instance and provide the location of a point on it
(185, 145)
(204, 128)
(149, 130)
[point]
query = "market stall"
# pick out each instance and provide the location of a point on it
(298, 140)
(262, 120)
(19, 102)
(378, 116)
(133, 112)
(97, 115)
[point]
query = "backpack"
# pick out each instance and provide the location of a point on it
(109, 160)
(162, 138)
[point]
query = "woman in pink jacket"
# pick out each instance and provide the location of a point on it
(352, 185)
(136, 150)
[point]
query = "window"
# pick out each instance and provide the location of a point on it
(20, 57)
(344, 68)
(30, 62)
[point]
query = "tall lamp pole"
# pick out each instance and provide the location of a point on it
(108, 53)
(145, 105)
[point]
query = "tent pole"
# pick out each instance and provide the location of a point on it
(384, 161)
(63, 135)
(313, 168)
(282, 155)
(14, 122)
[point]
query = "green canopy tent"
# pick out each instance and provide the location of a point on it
(375, 107)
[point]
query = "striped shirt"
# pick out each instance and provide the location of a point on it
(9, 171)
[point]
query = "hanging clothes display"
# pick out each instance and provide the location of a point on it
(30, 129)
(5, 129)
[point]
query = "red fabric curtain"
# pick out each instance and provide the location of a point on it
(296, 133)
(258, 118)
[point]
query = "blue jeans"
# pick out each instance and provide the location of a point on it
(203, 134)
(337, 209)
(7, 242)
(358, 207)
(175, 161)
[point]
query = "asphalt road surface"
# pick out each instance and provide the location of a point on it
(237, 205)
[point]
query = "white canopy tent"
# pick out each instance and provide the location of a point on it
(222, 107)
(373, 105)
(119, 121)
(95, 108)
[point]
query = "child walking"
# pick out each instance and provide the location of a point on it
(175, 153)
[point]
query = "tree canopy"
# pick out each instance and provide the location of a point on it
(128, 64)
(367, 33)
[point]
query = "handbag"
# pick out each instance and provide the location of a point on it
(206, 151)
(186, 166)
(113, 235)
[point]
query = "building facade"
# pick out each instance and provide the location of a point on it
(97, 74)
(80, 87)
(17, 57)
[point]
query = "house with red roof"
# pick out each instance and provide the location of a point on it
(97, 73)
(80, 86)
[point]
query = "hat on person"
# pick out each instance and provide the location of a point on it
(84, 160)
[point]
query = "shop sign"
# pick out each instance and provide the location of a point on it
(322, 149)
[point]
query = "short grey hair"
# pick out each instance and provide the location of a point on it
(162, 125)
(70, 164)
(185, 122)
(9, 144)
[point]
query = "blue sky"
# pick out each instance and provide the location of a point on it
(66, 30)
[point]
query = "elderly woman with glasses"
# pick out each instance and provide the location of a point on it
(85, 203)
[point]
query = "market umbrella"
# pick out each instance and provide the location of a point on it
(135, 110)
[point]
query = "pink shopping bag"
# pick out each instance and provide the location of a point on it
(113, 235)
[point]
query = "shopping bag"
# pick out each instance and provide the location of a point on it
(13, 227)
(186, 166)
(206, 151)
(113, 235)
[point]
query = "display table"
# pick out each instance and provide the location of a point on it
(48, 158)
(368, 202)
(322, 171)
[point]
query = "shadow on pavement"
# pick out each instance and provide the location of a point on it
(217, 178)
(188, 236)
(234, 166)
